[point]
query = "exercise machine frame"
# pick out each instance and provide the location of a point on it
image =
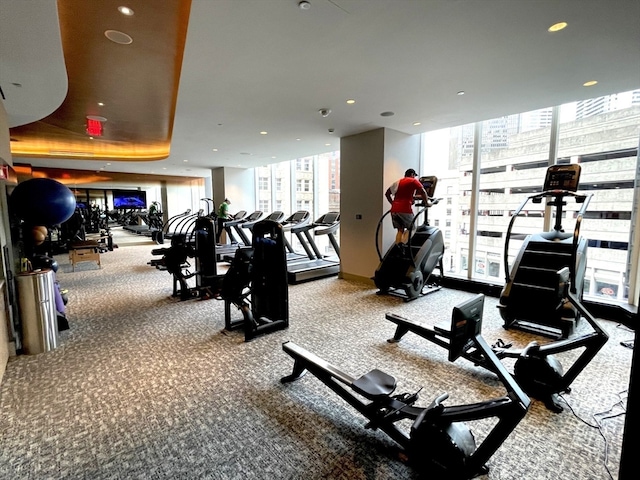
(527, 301)
(438, 439)
(537, 370)
(406, 270)
(256, 283)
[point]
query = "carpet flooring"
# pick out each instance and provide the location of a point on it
(144, 386)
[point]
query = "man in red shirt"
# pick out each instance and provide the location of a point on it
(400, 196)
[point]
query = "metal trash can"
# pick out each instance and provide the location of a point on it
(38, 315)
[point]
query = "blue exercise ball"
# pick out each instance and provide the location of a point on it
(42, 201)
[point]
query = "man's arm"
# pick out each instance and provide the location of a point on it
(388, 195)
(423, 194)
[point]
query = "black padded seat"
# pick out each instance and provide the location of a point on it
(374, 384)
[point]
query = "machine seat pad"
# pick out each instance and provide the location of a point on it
(374, 384)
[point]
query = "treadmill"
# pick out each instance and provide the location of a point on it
(238, 226)
(297, 219)
(316, 265)
(248, 224)
(230, 248)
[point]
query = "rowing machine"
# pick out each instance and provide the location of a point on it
(536, 369)
(438, 440)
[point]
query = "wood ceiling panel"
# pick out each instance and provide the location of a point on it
(138, 83)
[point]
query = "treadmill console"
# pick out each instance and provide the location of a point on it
(562, 177)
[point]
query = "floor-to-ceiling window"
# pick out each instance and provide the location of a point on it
(601, 135)
(310, 183)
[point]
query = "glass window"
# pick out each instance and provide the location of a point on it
(514, 157)
(601, 135)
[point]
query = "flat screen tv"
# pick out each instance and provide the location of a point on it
(466, 323)
(136, 199)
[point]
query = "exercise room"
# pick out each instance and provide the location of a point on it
(284, 239)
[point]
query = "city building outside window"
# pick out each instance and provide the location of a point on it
(600, 134)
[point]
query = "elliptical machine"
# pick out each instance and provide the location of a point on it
(405, 270)
(528, 301)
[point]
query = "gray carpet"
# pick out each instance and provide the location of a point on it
(145, 386)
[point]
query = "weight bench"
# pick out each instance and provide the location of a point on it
(86, 251)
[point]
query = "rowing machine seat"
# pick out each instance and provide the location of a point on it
(374, 384)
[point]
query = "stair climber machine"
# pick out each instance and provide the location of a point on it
(256, 283)
(537, 368)
(405, 270)
(528, 301)
(435, 438)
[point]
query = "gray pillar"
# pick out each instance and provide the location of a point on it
(371, 161)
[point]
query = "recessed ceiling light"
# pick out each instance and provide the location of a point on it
(590, 83)
(297, 139)
(387, 114)
(185, 160)
(125, 11)
(97, 118)
(263, 133)
(215, 149)
(351, 101)
(460, 93)
(118, 37)
(415, 124)
(100, 104)
(304, 5)
(327, 144)
(556, 27)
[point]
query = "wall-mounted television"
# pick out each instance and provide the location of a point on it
(129, 199)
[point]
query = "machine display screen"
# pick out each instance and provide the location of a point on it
(562, 177)
(466, 323)
(429, 184)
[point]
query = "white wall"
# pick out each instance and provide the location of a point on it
(371, 161)
(236, 184)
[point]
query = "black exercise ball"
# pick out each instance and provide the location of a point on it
(42, 201)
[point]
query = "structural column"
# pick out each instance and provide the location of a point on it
(371, 161)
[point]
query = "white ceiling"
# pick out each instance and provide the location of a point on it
(267, 65)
